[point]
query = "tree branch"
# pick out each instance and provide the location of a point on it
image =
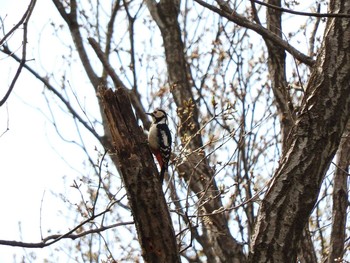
(240, 20)
(277, 72)
(49, 240)
(24, 20)
(72, 22)
(285, 10)
(20, 22)
(118, 83)
(313, 33)
(58, 237)
(109, 34)
(47, 84)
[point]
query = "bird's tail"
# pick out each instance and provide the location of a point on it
(163, 171)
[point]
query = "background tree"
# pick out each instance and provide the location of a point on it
(257, 119)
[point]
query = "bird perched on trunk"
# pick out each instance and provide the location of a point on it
(159, 139)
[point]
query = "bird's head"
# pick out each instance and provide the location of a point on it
(158, 115)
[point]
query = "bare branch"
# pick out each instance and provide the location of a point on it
(109, 33)
(72, 22)
(107, 66)
(50, 87)
(118, 82)
(313, 33)
(49, 240)
(233, 16)
(20, 22)
(277, 72)
(57, 237)
(7, 122)
(24, 20)
(285, 10)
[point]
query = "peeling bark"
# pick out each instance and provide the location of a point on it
(312, 144)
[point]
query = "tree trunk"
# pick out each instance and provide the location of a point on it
(340, 199)
(311, 146)
(217, 241)
(306, 249)
(277, 71)
(134, 161)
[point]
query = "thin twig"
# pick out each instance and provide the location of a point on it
(40, 215)
(240, 20)
(99, 181)
(7, 122)
(285, 10)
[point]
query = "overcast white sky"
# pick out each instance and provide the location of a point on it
(30, 167)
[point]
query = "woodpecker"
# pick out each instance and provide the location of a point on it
(159, 139)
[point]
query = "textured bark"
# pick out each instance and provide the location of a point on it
(217, 241)
(312, 144)
(340, 199)
(277, 71)
(135, 163)
(306, 250)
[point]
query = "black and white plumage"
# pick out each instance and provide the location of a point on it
(159, 139)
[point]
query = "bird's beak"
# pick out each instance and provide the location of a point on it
(148, 113)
